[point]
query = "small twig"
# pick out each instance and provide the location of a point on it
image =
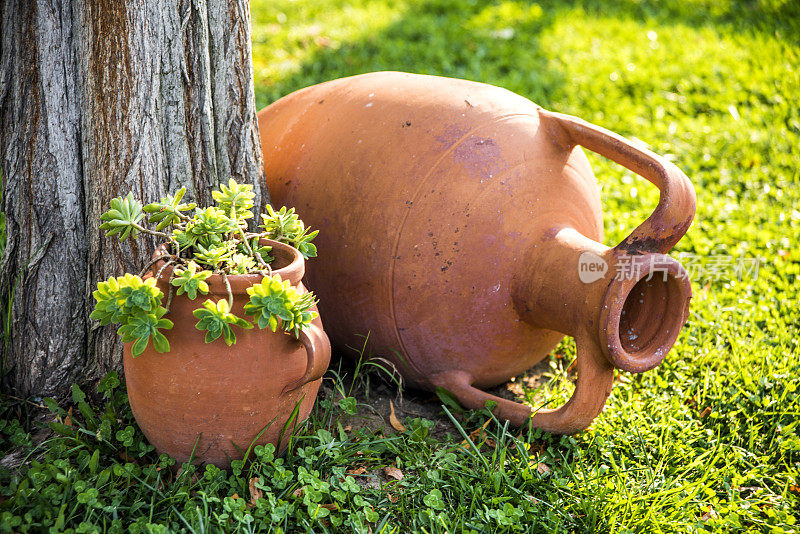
(228, 288)
(23, 400)
(253, 253)
(245, 241)
(156, 260)
(151, 232)
(161, 270)
(171, 290)
(261, 260)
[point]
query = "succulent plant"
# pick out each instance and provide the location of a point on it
(285, 226)
(275, 302)
(212, 240)
(123, 218)
(216, 320)
(190, 281)
(236, 199)
(169, 210)
(135, 304)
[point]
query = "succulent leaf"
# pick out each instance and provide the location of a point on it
(213, 237)
(214, 256)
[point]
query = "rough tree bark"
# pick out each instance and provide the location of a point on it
(98, 98)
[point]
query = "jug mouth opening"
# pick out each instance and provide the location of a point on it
(643, 314)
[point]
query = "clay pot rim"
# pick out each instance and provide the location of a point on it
(650, 356)
(293, 269)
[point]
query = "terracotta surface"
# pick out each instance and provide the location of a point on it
(226, 395)
(453, 215)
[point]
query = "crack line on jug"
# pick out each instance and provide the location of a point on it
(401, 226)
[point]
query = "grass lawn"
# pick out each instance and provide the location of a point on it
(706, 442)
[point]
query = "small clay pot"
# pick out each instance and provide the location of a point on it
(218, 397)
(462, 228)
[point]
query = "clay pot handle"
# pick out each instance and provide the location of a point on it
(676, 205)
(592, 388)
(318, 350)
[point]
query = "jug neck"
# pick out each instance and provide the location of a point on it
(631, 306)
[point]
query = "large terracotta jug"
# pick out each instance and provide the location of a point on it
(461, 226)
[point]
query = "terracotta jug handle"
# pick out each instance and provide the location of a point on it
(592, 388)
(318, 350)
(676, 205)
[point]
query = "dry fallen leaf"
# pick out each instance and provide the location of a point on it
(708, 515)
(348, 428)
(393, 472)
(235, 496)
(255, 493)
(705, 412)
(475, 436)
(298, 492)
(68, 418)
(393, 420)
(392, 497)
(357, 470)
(542, 469)
(478, 431)
(331, 506)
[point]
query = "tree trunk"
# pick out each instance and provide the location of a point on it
(98, 98)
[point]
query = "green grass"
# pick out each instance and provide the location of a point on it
(706, 442)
